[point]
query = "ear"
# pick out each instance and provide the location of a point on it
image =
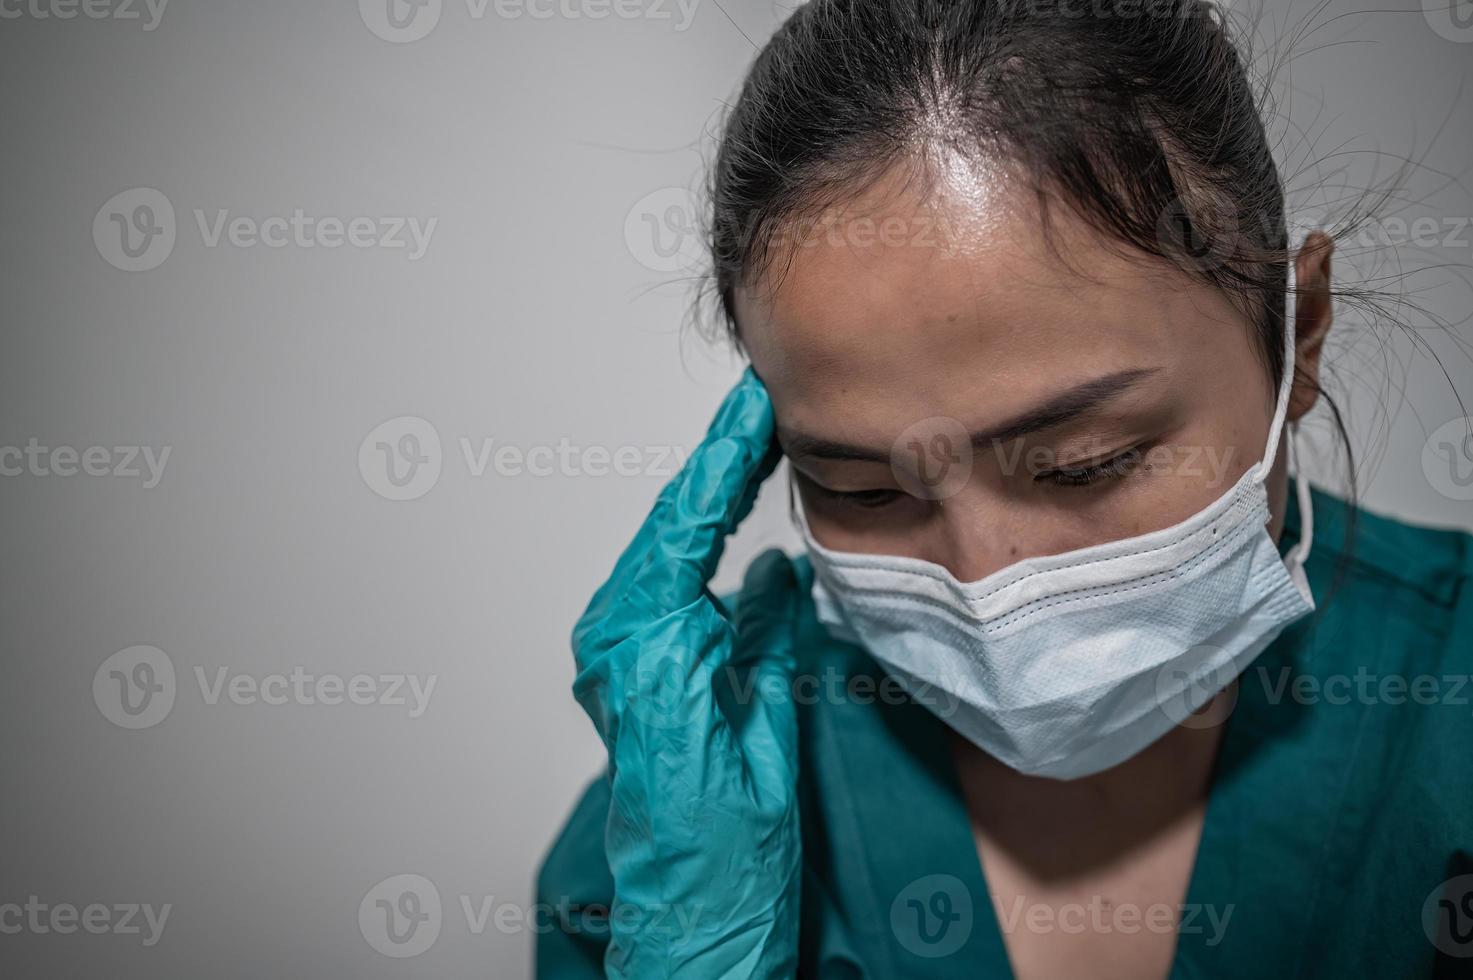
(1312, 314)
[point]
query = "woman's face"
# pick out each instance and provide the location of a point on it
(946, 387)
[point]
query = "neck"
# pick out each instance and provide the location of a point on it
(1075, 826)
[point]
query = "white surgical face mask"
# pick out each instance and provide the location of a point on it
(1066, 665)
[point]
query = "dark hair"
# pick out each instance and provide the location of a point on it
(1137, 114)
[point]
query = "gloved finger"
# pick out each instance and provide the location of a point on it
(654, 688)
(724, 483)
(759, 700)
(677, 547)
(710, 686)
(681, 543)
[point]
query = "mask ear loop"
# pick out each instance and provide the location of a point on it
(800, 519)
(792, 501)
(1297, 555)
(795, 513)
(1300, 552)
(1286, 385)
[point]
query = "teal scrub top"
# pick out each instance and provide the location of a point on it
(1339, 822)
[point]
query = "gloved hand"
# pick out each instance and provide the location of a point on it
(694, 704)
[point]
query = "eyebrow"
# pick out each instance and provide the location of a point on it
(1066, 406)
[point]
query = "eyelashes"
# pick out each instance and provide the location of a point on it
(1117, 467)
(862, 499)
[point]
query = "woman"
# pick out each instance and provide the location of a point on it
(1068, 683)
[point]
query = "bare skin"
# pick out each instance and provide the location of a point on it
(982, 325)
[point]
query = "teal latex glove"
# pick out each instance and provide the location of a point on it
(694, 705)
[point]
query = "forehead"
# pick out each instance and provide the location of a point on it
(911, 302)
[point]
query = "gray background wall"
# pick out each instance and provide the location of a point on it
(541, 313)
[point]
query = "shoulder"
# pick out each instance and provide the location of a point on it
(1357, 546)
(1368, 698)
(1394, 609)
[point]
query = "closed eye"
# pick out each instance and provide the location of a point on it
(867, 499)
(1079, 476)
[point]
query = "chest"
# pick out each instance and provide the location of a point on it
(1313, 861)
(1064, 909)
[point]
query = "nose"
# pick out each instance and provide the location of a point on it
(973, 536)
